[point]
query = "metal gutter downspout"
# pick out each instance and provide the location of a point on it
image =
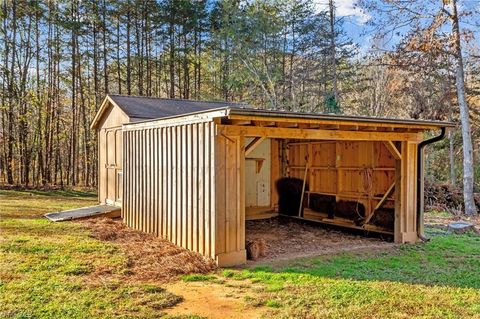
(420, 182)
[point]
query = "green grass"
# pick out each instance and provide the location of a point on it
(198, 277)
(56, 270)
(34, 203)
(438, 214)
(439, 279)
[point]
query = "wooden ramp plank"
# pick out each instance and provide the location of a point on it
(85, 212)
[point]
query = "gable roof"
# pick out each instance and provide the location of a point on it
(146, 108)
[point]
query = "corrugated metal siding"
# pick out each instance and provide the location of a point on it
(169, 190)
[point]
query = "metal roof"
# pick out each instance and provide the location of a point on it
(336, 117)
(154, 108)
(149, 109)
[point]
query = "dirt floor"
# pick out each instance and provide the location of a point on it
(286, 239)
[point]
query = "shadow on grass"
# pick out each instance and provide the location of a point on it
(447, 260)
(49, 193)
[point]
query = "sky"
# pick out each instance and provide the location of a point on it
(354, 19)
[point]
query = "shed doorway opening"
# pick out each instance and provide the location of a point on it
(345, 184)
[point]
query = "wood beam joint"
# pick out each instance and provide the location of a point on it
(253, 144)
(393, 150)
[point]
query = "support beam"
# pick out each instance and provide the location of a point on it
(393, 150)
(287, 124)
(263, 123)
(293, 133)
(253, 144)
(380, 203)
(241, 122)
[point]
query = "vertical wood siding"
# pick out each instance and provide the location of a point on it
(169, 184)
(230, 199)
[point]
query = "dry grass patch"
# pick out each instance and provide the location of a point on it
(149, 258)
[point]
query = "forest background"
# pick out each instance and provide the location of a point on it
(59, 58)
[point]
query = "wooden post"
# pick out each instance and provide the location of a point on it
(275, 171)
(405, 194)
(230, 200)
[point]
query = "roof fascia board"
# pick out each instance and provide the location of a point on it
(332, 119)
(189, 118)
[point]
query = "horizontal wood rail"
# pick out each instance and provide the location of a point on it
(314, 134)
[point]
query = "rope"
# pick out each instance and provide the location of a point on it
(367, 180)
(367, 177)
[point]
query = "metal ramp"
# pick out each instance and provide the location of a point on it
(85, 212)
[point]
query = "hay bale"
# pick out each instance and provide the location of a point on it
(289, 195)
(323, 204)
(384, 217)
(350, 210)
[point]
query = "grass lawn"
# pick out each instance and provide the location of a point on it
(439, 279)
(45, 267)
(46, 272)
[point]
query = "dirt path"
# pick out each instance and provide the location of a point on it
(212, 300)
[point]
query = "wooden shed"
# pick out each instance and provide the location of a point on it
(192, 172)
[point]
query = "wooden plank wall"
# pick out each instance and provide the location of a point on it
(110, 154)
(230, 199)
(169, 178)
(257, 182)
(350, 170)
(338, 168)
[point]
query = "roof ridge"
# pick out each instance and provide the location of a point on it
(176, 99)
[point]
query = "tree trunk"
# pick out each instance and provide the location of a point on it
(333, 49)
(172, 58)
(468, 171)
(451, 151)
(105, 49)
(129, 71)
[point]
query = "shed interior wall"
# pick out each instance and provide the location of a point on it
(351, 171)
(258, 178)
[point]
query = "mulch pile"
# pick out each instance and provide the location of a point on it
(149, 258)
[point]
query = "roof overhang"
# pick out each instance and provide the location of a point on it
(270, 115)
(251, 116)
(195, 117)
(101, 111)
